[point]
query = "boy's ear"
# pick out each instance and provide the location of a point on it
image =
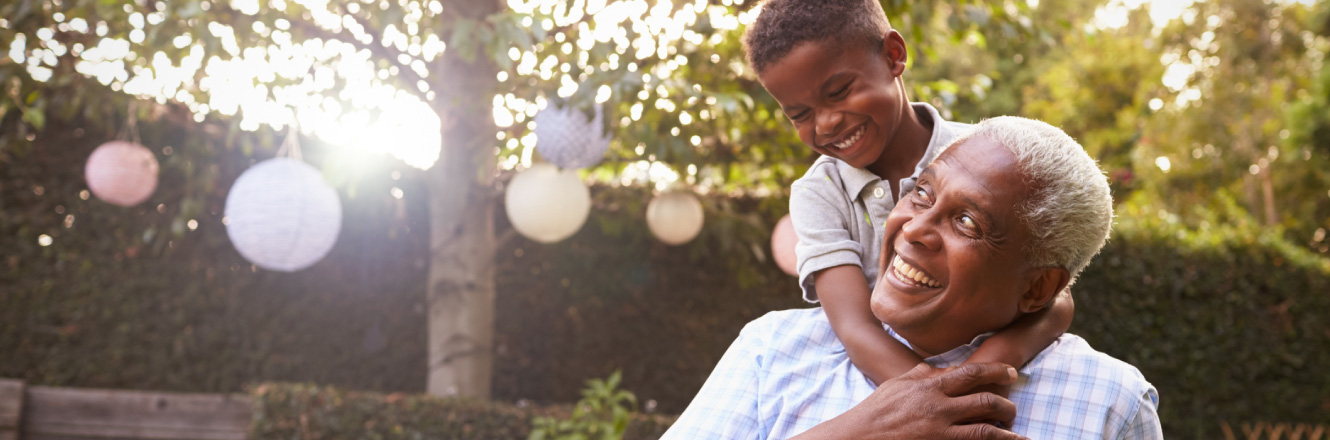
(894, 51)
(1045, 285)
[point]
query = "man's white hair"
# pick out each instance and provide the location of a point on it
(1069, 211)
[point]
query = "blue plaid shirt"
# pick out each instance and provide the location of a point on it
(787, 372)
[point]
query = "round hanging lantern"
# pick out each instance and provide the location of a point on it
(675, 217)
(566, 138)
(122, 173)
(281, 215)
(783, 241)
(546, 204)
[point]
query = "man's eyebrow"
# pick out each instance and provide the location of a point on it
(987, 218)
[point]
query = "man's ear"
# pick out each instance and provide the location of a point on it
(894, 52)
(1045, 285)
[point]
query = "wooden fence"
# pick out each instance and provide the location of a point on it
(48, 413)
(1275, 431)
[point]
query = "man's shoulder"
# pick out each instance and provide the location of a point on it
(1074, 391)
(812, 317)
(1073, 354)
(783, 329)
(1072, 362)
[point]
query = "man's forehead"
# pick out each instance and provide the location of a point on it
(988, 162)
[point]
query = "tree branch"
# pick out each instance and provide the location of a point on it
(379, 50)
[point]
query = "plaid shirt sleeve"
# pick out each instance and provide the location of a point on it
(727, 405)
(1144, 424)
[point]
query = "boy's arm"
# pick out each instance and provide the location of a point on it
(845, 298)
(1030, 334)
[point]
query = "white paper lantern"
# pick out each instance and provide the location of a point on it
(546, 204)
(566, 138)
(783, 240)
(282, 216)
(675, 217)
(122, 173)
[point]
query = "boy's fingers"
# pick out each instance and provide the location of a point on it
(961, 380)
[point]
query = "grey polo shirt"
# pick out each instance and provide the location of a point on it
(839, 211)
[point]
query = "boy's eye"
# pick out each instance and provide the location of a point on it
(841, 92)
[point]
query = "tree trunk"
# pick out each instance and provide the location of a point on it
(461, 200)
(1268, 196)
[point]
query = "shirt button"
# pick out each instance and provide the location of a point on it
(879, 192)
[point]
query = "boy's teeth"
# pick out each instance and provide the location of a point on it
(850, 141)
(908, 272)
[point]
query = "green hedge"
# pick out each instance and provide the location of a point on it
(1228, 321)
(306, 411)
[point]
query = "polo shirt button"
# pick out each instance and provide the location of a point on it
(879, 192)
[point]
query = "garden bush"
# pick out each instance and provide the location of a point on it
(1227, 319)
(305, 411)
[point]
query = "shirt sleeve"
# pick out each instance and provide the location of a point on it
(1144, 423)
(727, 405)
(820, 212)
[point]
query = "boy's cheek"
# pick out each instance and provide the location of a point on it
(805, 135)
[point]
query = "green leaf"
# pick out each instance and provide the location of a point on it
(36, 118)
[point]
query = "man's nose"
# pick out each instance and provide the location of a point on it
(828, 122)
(922, 230)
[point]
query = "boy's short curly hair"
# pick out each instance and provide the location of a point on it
(784, 24)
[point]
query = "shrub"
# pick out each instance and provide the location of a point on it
(304, 411)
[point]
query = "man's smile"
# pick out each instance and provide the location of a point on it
(910, 274)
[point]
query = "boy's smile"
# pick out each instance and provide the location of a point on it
(846, 102)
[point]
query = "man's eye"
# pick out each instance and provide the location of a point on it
(968, 222)
(923, 195)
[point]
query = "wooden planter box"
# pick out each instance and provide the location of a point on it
(49, 413)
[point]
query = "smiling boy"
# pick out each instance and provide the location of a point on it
(836, 69)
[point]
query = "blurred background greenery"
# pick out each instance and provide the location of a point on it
(1211, 118)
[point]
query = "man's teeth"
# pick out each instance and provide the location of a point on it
(905, 271)
(851, 140)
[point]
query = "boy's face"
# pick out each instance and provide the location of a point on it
(846, 101)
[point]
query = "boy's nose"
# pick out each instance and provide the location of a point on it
(828, 123)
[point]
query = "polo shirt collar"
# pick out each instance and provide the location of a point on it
(855, 179)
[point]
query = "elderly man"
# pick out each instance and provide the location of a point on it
(1001, 221)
